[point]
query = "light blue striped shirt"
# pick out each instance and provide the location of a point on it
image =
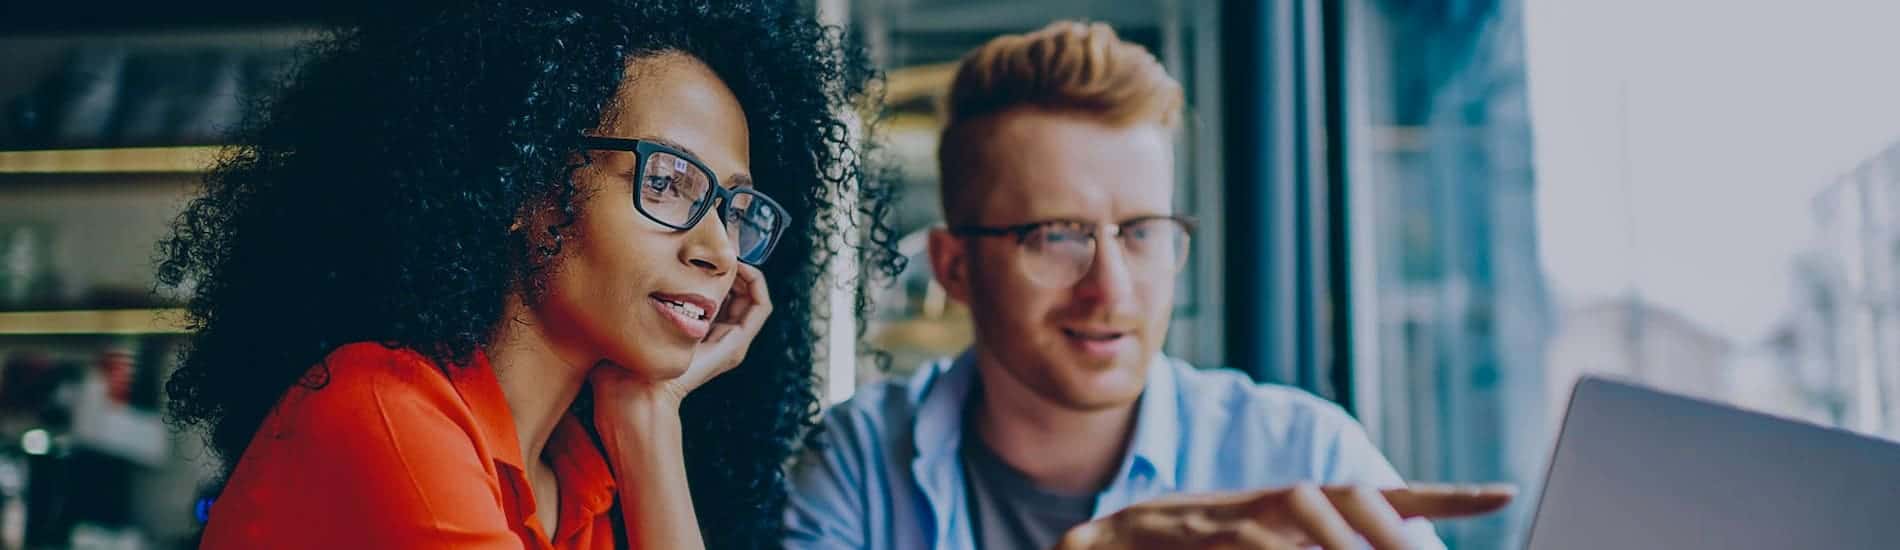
(887, 472)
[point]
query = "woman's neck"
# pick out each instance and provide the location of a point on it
(538, 381)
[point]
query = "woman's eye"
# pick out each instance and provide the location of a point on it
(657, 184)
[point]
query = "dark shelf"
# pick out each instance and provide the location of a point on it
(43, 16)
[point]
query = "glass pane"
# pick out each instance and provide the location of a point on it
(754, 226)
(738, 215)
(671, 188)
(1157, 243)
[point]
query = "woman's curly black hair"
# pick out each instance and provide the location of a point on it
(371, 199)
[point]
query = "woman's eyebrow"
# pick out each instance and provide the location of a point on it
(735, 180)
(674, 145)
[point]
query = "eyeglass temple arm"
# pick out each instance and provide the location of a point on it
(1020, 232)
(613, 143)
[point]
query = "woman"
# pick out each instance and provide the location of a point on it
(453, 225)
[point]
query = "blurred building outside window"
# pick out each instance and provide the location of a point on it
(1696, 195)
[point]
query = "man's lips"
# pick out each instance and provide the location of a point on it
(1100, 342)
(1095, 333)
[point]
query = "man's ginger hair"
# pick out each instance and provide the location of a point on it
(1068, 67)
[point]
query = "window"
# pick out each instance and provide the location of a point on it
(1699, 196)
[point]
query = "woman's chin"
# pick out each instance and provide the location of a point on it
(658, 369)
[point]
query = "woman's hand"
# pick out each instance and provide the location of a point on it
(639, 423)
(739, 320)
(1334, 518)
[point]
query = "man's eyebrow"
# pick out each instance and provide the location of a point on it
(739, 180)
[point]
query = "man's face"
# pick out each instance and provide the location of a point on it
(1084, 344)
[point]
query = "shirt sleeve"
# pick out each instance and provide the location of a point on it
(361, 464)
(1351, 458)
(826, 508)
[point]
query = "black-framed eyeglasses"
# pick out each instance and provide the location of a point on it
(1059, 253)
(675, 190)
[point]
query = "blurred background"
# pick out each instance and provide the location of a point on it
(1437, 213)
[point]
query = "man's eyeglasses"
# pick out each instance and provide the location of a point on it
(1058, 254)
(675, 190)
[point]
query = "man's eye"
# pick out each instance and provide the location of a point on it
(1065, 236)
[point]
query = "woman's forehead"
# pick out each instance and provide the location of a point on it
(678, 99)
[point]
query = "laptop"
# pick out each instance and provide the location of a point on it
(1638, 468)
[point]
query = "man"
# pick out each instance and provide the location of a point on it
(1061, 237)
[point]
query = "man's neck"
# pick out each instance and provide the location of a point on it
(1061, 449)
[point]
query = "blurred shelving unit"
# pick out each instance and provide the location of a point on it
(98, 321)
(39, 165)
(122, 160)
(112, 115)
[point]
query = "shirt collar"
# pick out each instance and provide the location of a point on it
(941, 394)
(481, 391)
(1156, 441)
(939, 397)
(586, 482)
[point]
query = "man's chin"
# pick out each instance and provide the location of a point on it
(1109, 386)
(1099, 401)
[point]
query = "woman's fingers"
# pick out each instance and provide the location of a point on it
(738, 300)
(757, 296)
(719, 332)
(747, 306)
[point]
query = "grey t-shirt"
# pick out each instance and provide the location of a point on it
(1007, 512)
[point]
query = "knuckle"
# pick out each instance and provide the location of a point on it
(1365, 494)
(1304, 497)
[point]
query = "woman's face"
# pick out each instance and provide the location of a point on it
(627, 289)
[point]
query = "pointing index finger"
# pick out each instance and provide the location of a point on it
(1448, 501)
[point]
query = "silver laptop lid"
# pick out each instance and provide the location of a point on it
(1638, 468)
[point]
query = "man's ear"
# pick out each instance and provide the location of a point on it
(950, 262)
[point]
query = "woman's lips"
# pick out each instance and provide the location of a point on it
(689, 314)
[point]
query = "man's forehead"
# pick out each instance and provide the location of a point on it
(1064, 166)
